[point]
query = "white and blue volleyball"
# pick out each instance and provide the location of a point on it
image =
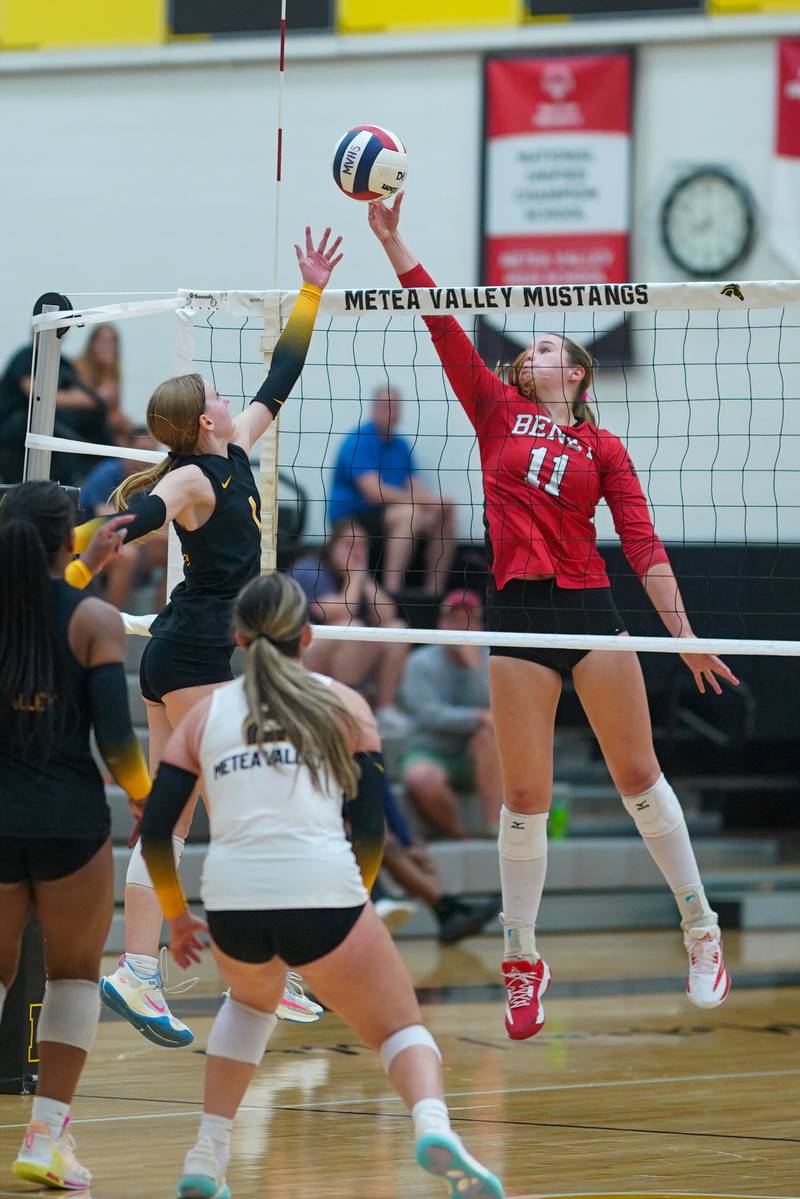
(370, 163)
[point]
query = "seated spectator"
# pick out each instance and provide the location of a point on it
(451, 744)
(341, 590)
(99, 367)
(410, 865)
(80, 415)
(137, 563)
(375, 480)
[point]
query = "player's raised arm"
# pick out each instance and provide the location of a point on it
(288, 360)
(469, 376)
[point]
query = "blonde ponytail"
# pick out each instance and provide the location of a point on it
(173, 420)
(270, 614)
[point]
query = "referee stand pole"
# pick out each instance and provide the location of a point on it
(19, 1055)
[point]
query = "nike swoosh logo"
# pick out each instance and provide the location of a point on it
(227, 481)
(155, 1005)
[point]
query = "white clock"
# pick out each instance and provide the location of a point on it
(708, 222)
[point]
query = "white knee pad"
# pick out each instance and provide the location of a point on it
(522, 838)
(415, 1034)
(138, 874)
(655, 812)
(70, 1011)
(240, 1033)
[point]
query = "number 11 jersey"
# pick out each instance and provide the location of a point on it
(542, 482)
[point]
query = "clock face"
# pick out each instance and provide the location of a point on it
(707, 222)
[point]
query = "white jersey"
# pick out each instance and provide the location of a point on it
(277, 841)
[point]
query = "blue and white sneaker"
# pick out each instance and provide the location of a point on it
(442, 1154)
(141, 1002)
(203, 1174)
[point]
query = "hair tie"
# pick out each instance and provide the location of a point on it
(587, 399)
(172, 455)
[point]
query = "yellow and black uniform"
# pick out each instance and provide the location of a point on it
(191, 639)
(53, 811)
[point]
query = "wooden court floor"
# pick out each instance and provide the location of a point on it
(628, 1089)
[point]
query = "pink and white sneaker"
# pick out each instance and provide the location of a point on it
(708, 983)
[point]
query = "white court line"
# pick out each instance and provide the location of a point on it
(568, 1086)
(561, 1086)
(113, 1119)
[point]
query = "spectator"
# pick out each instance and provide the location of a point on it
(80, 414)
(410, 865)
(138, 562)
(375, 479)
(451, 744)
(99, 368)
(341, 590)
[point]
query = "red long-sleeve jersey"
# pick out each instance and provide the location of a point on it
(541, 481)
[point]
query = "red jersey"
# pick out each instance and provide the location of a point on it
(541, 481)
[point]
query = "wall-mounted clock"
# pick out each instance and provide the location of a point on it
(708, 222)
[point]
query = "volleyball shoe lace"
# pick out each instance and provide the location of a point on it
(49, 1161)
(708, 983)
(141, 1001)
(203, 1173)
(526, 983)
(442, 1153)
(294, 1004)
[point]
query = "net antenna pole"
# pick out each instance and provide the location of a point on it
(268, 472)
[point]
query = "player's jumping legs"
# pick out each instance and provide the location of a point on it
(612, 692)
(524, 698)
(386, 1017)
(136, 988)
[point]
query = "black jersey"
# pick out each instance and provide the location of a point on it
(56, 790)
(218, 558)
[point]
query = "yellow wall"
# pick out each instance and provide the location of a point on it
(372, 16)
(750, 6)
(46, 24)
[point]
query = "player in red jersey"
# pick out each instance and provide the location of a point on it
(546, 465)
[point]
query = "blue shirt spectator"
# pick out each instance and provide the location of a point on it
(375, 480)
(100, 482)
(368, 451)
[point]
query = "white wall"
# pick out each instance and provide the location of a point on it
(146, 178)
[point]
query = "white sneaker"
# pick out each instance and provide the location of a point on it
(51, 1163)
(395, 912)
(442, 1154)
(295, 1004)
(203, 1173)
(709, 982)
(391, 722)
(141, 1001)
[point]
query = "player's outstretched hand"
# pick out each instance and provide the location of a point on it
(184, 938)
(705, 668)
(384, 217)
(317, 266)
(106, 543)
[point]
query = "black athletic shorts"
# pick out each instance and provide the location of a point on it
(44, 859)
(296, 935)
(171, 665)
(541, 606)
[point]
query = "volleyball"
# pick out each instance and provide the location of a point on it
(369, 163)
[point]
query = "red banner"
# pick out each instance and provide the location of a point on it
(557, 169)
(786, 170)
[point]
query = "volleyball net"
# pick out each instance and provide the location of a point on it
(703, 388)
